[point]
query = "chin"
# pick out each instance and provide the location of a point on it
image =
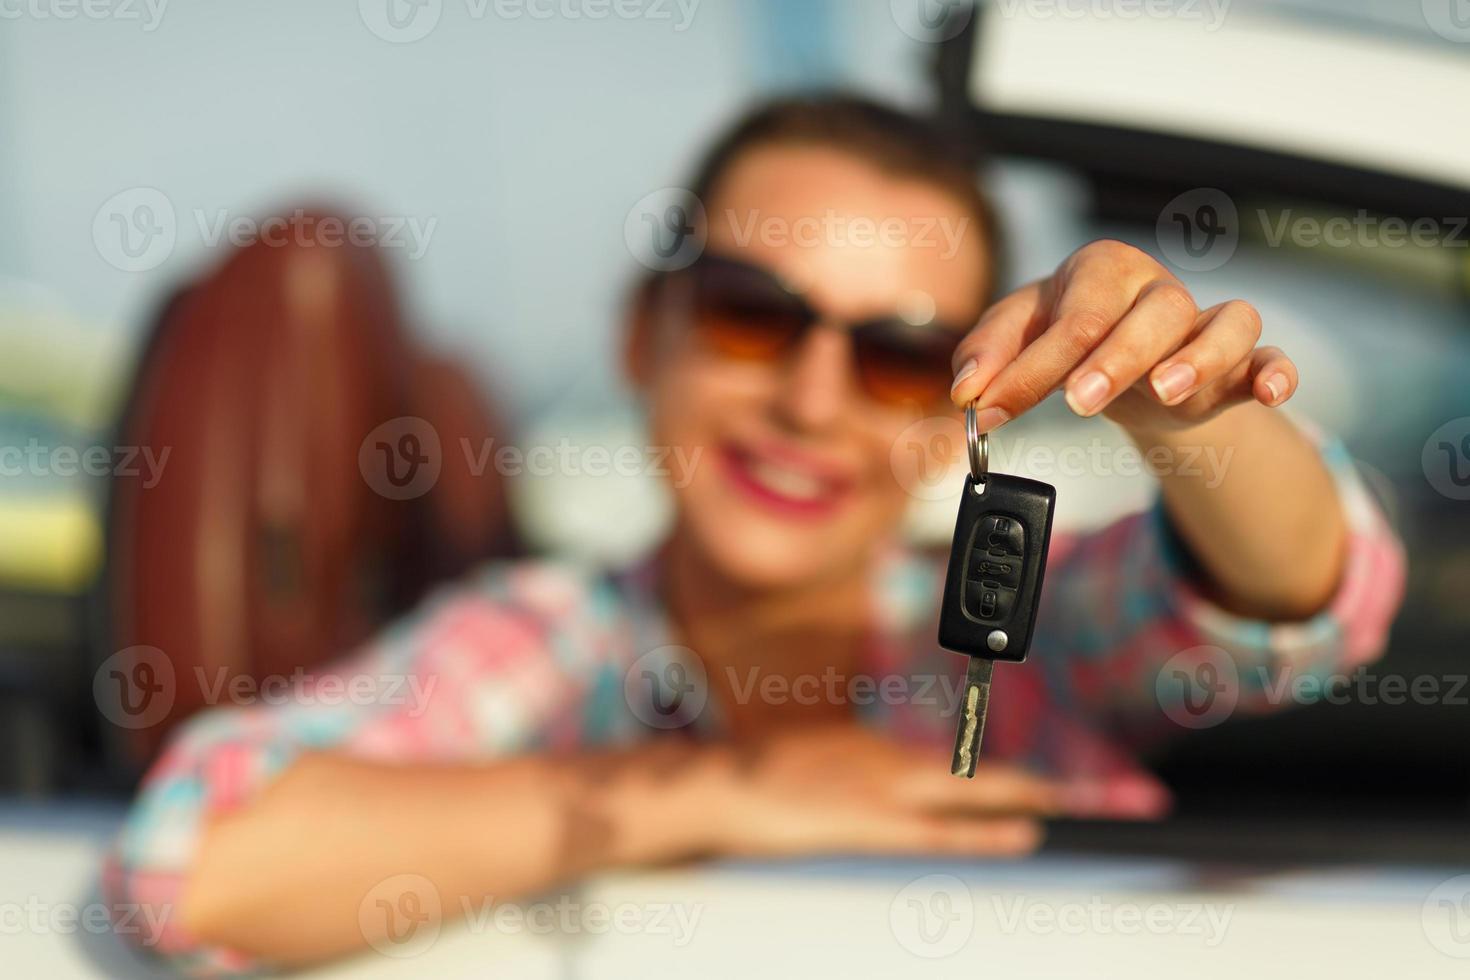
(754, 562)
(772, 546)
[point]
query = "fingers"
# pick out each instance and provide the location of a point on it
(1227, 333)
(1162, 318)
(1003, 837)
(1002, 333)
(903, 833)
(1267, 376)
(1274, 376)
(1109, 318)
(996, 789)
(1122, 796)
(1098, 287)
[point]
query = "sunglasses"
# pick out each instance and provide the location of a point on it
(745, 312)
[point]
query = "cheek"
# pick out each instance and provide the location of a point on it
(692, 396)
(927, 457)
(886, 438)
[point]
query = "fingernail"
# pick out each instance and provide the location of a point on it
(1174, 381)
(1023, 837)
(1086, 393)
(1139, 798)
(1276, 385)
(969, 368)
(991, 418)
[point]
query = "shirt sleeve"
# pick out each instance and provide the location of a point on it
(1133, 618)
(492, 668)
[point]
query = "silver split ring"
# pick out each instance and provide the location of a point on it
(979, 446)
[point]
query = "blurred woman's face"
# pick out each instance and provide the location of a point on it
(796, 478)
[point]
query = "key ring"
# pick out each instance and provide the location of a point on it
(979, 446)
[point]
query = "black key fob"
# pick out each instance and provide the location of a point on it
(996, 565)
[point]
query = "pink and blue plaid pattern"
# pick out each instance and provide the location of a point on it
(534, 655)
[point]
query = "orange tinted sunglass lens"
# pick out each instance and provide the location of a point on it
(747, 333)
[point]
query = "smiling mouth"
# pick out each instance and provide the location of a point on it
(782, 487)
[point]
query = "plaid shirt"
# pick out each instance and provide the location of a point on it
(538, 655)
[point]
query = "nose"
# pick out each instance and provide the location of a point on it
(818, 383)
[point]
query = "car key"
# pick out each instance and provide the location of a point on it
(993, 586)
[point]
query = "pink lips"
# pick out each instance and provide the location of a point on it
(786, 482)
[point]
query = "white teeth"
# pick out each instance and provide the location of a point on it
(787, 483)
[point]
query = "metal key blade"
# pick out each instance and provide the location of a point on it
(971, 726)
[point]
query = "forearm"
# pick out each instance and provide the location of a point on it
(1264, 523)
(283, 879)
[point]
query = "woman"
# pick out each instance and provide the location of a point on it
(791, 364)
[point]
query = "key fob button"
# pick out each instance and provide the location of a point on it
(1000, 535)
(989, 601)
(1006, 571)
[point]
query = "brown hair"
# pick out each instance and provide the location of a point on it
(895, 141)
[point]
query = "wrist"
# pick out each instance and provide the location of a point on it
(647, 805)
